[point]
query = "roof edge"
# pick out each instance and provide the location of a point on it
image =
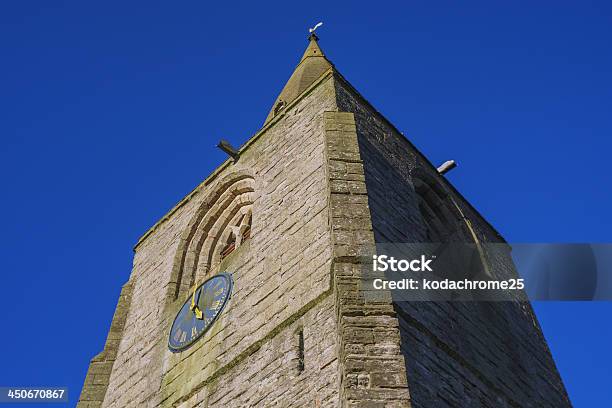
(211, 177)
(342, 79)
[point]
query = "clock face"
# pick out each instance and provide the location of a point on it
(199, 312)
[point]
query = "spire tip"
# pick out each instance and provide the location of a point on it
(312, 30)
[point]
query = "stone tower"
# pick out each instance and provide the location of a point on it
(325, 178)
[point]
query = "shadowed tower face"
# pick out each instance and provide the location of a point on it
(324, 181)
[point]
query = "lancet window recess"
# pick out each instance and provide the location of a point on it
(237, 233)
(222, 223)
(449, 229)
(442, 223)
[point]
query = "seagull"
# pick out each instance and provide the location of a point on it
(312, 30)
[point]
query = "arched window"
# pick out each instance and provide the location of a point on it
(238, 233)
(221, 223)
(455, 245)
(437, 214)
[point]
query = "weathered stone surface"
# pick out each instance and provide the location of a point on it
(100, 368)
(360, 324)
(326, 179)
(282, 277)
(457, 354)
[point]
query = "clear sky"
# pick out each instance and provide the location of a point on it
(109, 113)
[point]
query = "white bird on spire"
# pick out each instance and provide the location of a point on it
(312, 30)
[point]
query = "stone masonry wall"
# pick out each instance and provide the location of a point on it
(282, 283)
(271, 376)
(325, 186)
(471, 354)
(372, 366)
(96, 381)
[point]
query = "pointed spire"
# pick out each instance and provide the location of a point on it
(312, 65)
(313, 49)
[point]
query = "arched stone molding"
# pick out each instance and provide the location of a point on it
(229, 200)
(441, 218)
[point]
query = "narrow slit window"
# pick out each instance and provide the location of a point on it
(300, 351)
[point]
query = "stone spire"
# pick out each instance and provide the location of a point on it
(312, 65)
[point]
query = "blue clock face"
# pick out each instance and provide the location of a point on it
(199, 312)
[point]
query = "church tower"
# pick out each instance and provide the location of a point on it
(248, 293)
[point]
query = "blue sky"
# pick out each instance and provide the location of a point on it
(109, 114)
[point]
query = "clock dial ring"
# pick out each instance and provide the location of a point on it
(191, 323)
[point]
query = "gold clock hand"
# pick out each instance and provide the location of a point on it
(193, 303)
(193, 299)
(199, 295)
